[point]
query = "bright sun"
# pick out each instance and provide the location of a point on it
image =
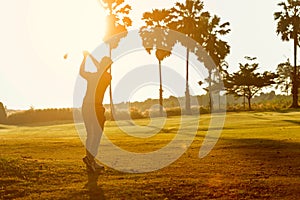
(60, 27)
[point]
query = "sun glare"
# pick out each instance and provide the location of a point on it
(71, 29)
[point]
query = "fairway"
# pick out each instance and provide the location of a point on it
(256, 157)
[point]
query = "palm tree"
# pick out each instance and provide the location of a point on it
(289, 27)
(155, 36)
(184, 18)
(117, 23)
(208, 36)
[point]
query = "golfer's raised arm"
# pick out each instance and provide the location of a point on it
(82, 71)
(96, 63)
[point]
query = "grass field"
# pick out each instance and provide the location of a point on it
(256, 157)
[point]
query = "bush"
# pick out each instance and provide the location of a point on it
(2, 114)
(45, 115)
(136, 113)
(176, 111)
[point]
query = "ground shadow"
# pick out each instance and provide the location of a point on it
(287, 145)
(91, 189)
(272, 157)
(289, 110)
(252, 168)
(293, 121)
(94, 190)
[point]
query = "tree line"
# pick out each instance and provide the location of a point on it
(192, 21)
(146, 109)
(35, 115)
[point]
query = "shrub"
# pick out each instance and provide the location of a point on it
(2, 114)
(40, 115)
(136, 113)
(176, 111)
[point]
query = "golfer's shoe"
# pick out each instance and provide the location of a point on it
(98, 167)
(90, 164)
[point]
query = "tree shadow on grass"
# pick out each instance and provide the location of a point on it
(297, 122)
(287, 145)
(4, 126)
(261, 168)
(289, 110)
(273, 157)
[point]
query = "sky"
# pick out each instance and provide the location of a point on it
(36, 34)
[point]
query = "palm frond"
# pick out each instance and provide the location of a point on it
(117, 3)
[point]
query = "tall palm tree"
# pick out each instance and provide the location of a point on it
(184, 18)
(117, 22)
(209, 37)
(289, 27)
(155, 36)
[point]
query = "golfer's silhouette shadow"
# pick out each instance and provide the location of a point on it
(94, 190)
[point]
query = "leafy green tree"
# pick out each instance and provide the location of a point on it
(184, 19)
(285, 77)
(155, 36)
(246, 82)
(117, 23)
(289, 27)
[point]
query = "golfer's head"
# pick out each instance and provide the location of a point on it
(105, 63)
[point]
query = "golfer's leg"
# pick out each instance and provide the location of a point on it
(97, 134)
(88, 122)
(98, 129)
(89, 144)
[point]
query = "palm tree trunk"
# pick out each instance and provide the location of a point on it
(112, 109)
(219, 99)
(295, 77)
(244, 102)
(160, 91)
(250, 95)
(187, 92)
(209, 91)
(249, 103)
